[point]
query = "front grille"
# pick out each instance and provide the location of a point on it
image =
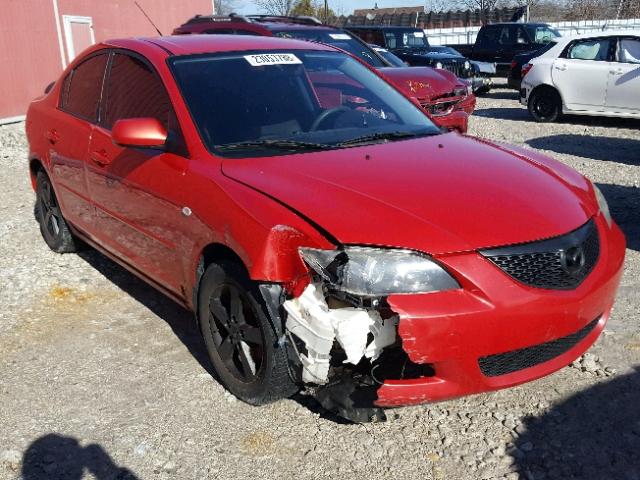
(457, 68)
(560, 263)
(509, 362)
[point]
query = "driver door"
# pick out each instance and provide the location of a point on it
(139, 192)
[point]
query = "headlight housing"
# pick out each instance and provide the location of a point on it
(603, 205)
(376, 272)
(438, 64)
(467, 65)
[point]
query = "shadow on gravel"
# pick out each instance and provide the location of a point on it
(623, 204)
(179, 319)
(58, 457)
(594, 435)
(507, 113)
(621, 150)
(502, 94)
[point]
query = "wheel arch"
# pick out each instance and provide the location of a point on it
(546, 86)
(35, 165)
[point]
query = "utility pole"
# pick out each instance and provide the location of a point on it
(326, 11)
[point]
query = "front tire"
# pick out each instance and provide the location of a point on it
(53, 226)
(241, 343)
(545, 105)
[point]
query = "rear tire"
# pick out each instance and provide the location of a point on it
(545, 105)
(240, 340)
(53, 226)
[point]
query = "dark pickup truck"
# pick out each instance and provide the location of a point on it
(412, 47)
(500, 42)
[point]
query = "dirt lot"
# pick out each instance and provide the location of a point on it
(102, 375)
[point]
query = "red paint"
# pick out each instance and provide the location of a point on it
(139, 132)
(446, 196)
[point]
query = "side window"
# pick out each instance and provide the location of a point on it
(507, 35)
(521, 36)
(81, 88)
(488, 37)
(629, 50)
(133, 90)
(391, 40)
(591, 49)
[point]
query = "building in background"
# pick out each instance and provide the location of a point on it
(388, 11)
(38, 38)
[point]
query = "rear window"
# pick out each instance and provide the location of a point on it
(82, 88)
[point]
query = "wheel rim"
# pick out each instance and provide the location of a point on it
(544, 106)
(236, 332)
(50, 210)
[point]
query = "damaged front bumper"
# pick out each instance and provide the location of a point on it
(491, 333)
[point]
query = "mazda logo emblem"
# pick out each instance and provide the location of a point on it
(572, 260)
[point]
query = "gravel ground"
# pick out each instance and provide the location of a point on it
(101, 377)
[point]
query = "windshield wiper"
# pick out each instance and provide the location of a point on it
(377, 136)
(273, 144)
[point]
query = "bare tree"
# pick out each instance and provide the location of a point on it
(224, 7)
(275, 7)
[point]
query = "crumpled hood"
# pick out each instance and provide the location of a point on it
(440, 194)
(420, 82)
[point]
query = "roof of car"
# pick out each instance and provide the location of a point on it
(195, 44)
(597, 34)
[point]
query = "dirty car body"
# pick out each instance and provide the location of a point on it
(446, 98)
(326, 235)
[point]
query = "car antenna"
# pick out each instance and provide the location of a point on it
(150, 21)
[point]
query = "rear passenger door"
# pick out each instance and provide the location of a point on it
(623, 90)
(139, 192)
(68, 133)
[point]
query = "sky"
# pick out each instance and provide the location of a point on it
(346, 6)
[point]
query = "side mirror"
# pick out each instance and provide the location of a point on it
(139, 133)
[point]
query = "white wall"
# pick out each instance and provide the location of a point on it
(464, 35)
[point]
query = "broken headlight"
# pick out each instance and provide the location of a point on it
(375, 272)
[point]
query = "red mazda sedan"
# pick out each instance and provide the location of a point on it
(320, 226)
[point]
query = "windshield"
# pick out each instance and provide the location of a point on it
(390, 57)
(542, 33)
(265, 103)
(337, 38)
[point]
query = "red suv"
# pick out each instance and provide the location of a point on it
(447, 99)
(322, 228)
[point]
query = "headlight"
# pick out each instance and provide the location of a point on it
(438, 64)
(461, 91)
(377, 272)
(603, 205)
(467, 65)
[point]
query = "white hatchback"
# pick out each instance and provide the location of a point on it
(590, 74)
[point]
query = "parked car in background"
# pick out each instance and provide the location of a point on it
(591, 74)
(500, 42)
(389, 56)
(520, 60)
(412, 47)
(323, 229)
(443, 96)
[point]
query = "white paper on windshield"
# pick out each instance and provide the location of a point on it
(272, 59)
(340, 36)
(418, 34)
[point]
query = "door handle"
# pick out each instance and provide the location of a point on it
(562, 68)
(53, 136)
(616, 72)
(100, 157)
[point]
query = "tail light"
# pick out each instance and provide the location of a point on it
(526, 68)
(514, 64)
